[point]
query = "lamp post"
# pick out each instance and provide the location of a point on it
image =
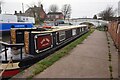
(0, 8)
(23, 7)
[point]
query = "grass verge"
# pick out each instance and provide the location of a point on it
(45, 63)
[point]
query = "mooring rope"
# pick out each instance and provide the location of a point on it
(6, 67)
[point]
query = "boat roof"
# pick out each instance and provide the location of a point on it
(58, 28)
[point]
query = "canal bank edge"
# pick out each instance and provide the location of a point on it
(45, 63)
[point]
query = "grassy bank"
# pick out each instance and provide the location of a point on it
(45, 63)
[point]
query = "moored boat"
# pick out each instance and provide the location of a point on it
(35, 45)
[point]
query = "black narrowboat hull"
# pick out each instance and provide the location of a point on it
(39, 45)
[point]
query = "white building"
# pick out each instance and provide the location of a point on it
(119, 8)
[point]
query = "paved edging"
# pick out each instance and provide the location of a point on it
(112, 57)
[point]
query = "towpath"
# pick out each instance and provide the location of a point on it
(87, 60)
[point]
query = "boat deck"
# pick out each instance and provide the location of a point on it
(14, 54)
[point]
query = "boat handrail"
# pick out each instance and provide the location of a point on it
(11, 45)
(6, 67)
(20, 45)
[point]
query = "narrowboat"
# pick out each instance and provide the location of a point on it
(28, 46)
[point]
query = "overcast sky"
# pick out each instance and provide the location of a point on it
(80, 8)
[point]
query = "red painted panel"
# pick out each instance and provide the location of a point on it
(10, 73)
(44, 42)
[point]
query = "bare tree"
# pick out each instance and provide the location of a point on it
(107, 14)
(95, 17)
(31, 10)
(34, 11)
(31, 5)
(53, 8)
(66, 10)
(39, 3)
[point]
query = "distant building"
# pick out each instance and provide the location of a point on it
(19, 14)
(119, 8)
(36, 12)
(55, 16)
